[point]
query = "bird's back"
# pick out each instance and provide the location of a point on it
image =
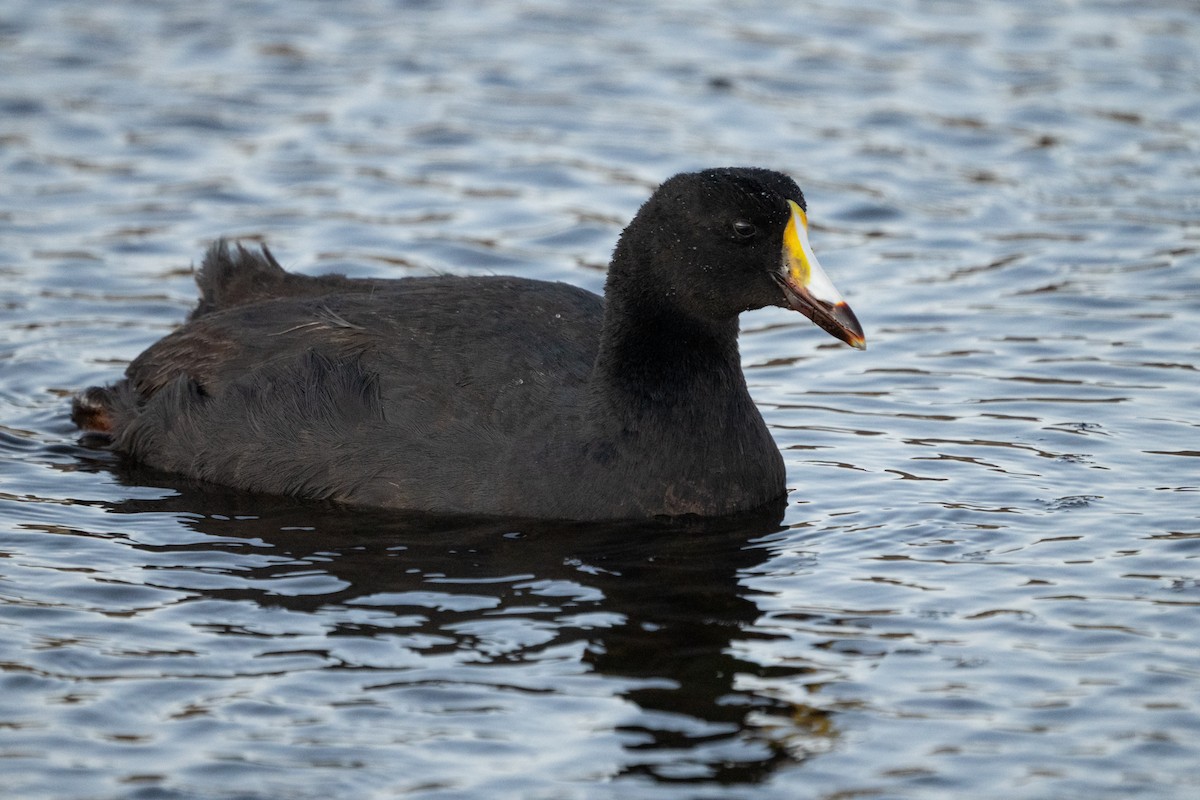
(380, 392)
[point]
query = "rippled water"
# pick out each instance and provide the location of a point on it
(986, 580)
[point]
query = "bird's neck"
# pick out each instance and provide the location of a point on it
(669, 405)
(655, 358)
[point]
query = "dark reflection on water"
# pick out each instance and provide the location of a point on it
(653, 605)
(651, 608)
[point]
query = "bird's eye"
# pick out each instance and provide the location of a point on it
(743, 229)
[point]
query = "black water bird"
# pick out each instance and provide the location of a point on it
(490, 395)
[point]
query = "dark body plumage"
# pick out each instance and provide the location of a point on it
(483, 395)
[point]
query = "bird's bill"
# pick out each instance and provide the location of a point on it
(808, 289)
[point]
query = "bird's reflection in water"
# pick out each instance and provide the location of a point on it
(658, 605)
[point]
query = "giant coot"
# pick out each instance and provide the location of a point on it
(490, 395)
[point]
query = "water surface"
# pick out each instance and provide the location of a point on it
(986, 577)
